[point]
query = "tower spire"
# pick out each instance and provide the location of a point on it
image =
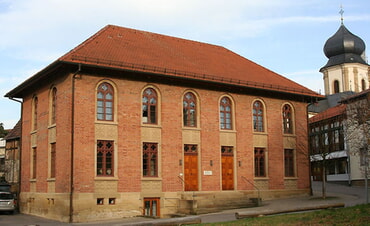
(341, 13)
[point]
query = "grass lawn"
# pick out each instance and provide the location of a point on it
(356, 215)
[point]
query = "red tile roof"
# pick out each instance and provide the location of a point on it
(129, 49)
(329, 113)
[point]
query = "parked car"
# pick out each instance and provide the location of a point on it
(7, 202)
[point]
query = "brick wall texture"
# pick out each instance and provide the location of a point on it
(78, 141)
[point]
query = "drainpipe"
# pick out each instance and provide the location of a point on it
(308, 147)
(72, 143)
(20, 154)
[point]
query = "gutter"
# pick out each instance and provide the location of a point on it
(72, 143)
(232, 83)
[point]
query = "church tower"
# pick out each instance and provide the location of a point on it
(347, 68)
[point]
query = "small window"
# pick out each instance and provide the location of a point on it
(53, 105)
(191, 149)
(34, 163)
(105, 102)
(287, 119)
(151, 207)
(34, 118)
(150, 159)
(227, 151)
(112, 201)
(342, 166)
(190, 110)
(149, 106)
(100, 201)
(363, 84)
(289, 162)
(104, 158)
(52, 159)
(364, 157)
(259, 162)
(336, 86)
(258, 116)
(226, 113)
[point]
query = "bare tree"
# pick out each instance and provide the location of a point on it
(326, 136)
(358, 131)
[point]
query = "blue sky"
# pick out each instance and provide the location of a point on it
(285, 36)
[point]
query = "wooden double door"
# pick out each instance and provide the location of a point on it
(191, 171)
(191, 168)
(227, 159)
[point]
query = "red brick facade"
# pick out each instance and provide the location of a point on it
(75, 192)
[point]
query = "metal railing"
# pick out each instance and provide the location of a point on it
(258, 190)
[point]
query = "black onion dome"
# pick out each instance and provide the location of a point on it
(344, 47)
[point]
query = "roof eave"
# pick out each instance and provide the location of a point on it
(16, 92)
(224, 82)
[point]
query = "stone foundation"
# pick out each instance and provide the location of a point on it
(89, 207)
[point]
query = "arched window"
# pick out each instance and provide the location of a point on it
(287, 119)
(190, 110)
(336, 86)
(34, 116)
(149, 106)
(363, 84)
(53, 100)
(225, 113)
(258, 116)
(105, 100)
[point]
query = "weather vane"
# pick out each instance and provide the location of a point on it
(341, 13)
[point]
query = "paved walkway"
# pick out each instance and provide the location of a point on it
(338, 196)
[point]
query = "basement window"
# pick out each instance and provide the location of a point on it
(112, 201)
(151, 207)
(100, 201)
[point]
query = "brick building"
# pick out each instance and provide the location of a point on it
(135, 123)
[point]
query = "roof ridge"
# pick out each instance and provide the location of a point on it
(172, 37)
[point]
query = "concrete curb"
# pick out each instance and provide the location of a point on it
(247, 214)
